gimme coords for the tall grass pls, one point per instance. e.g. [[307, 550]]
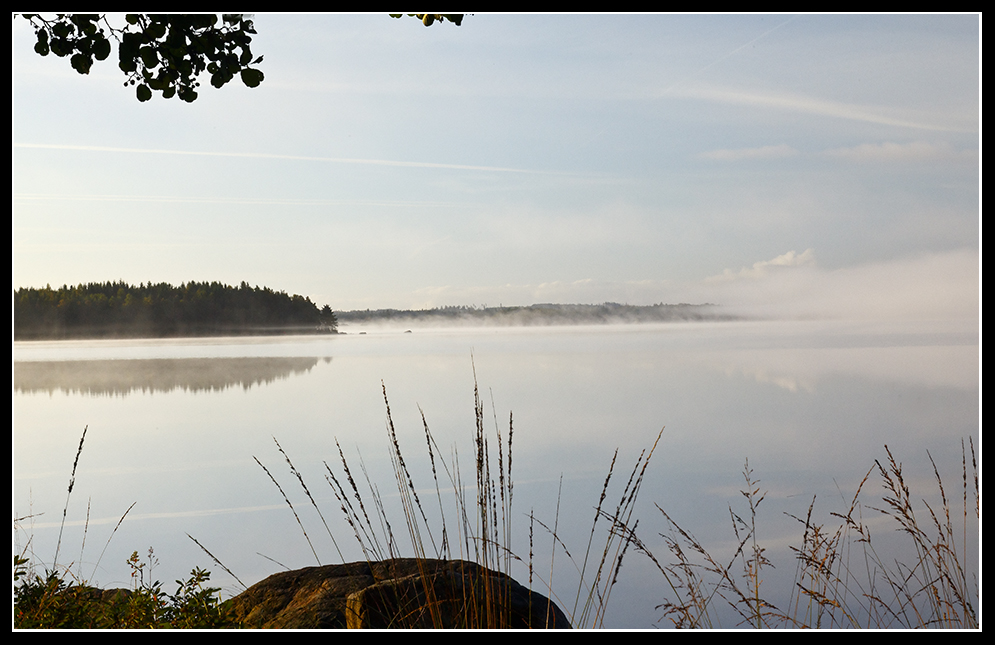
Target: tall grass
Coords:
[[475, 523], [840, 580]]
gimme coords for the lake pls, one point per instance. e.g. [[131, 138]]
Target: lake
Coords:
[[173, 426]]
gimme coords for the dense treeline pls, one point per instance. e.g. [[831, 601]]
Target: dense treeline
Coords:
[[115, 309]]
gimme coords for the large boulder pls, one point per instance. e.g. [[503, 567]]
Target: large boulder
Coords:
[[400, 593]]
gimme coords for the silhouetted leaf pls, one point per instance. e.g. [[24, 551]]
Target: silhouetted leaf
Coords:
[[252, 77], [81, 63], [164, 52], [101, 48]]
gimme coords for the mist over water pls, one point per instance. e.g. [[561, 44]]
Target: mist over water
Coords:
[[174, 427]]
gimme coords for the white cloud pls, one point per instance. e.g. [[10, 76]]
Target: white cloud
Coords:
[[932, 286], [762, 268]]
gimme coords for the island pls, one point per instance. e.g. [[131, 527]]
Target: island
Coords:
[[120, 310]]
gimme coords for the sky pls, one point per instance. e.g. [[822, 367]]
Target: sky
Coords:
[[798, 165]]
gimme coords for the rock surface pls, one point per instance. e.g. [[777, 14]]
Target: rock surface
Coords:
[[400, 593]]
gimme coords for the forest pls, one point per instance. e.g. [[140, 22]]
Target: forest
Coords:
[[117, 309]]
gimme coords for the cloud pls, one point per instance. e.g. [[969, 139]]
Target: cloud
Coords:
[[927, 287], [765, 152], [791, 286], [937, 286], [763, 268], [916, 151]]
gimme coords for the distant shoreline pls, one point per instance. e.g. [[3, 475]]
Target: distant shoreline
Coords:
[[546, 314], [204, 310]]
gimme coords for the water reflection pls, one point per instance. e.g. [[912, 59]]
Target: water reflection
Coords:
[[122, 377], [811, 405]]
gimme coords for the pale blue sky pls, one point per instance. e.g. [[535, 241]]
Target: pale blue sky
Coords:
[[806, 163]]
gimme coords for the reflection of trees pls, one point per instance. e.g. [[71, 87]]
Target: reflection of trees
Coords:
[[122, 377]]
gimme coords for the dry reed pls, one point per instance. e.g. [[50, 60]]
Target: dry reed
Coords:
[[840, 581], [483, 527]]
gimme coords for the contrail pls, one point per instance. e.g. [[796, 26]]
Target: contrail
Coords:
[[670, 90], [794, 103], [740, 48], [166, 199], [809, 105], [261, 155]]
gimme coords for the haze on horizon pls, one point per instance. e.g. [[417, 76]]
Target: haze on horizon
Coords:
[[810, 165]]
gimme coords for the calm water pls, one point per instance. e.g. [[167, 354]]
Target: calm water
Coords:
[[174, 426]]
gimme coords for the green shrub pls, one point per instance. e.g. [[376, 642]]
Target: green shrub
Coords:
[[50, 602]]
